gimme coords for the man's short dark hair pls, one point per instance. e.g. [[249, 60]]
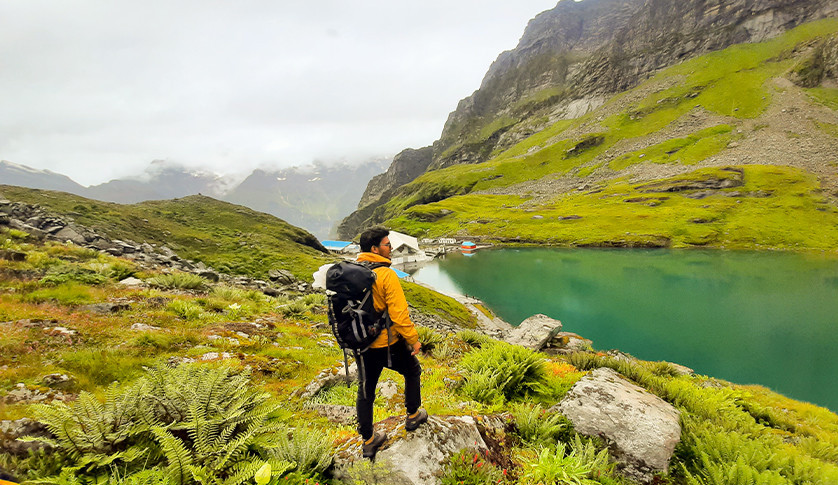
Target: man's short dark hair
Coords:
[[372, 237]]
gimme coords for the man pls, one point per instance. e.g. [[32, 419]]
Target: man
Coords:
[[388, 296]]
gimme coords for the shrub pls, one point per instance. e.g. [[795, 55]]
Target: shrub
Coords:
[[309, 449], [429, 338], [503, 370], [474, 338], [315, 299], [583, 464], [185, 309], [119, 271], [469, 468], [294, 308], [201, 423], [535, 426], [175, 281], [67, 274]]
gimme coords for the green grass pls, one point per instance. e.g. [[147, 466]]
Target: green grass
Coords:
[[825, 96], [686, 151], [434, 303]]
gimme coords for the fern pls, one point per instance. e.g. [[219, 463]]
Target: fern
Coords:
[[200, 423], [535, 426], [513, 371]]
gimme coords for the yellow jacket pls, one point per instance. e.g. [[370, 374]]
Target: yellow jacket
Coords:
[[387, 294]]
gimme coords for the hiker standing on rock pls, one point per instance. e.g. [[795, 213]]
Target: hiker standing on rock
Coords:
[[388, 296]]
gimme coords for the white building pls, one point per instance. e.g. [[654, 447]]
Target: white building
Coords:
[[405, 249]]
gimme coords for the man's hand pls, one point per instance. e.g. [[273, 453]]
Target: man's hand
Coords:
[[416, 347]]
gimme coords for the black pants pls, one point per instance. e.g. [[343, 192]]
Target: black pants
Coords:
[[375, 360]]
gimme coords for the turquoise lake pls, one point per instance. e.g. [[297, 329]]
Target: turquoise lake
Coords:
[[768, 318]]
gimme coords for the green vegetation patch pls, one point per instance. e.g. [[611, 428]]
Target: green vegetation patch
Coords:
[[230, 238], [686, 151], [825, 96], [752, 207], [434, 303]]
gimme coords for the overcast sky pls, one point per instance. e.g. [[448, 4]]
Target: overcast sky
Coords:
[[98, 89]]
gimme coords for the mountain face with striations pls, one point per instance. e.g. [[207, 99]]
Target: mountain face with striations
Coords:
[[678, 86]]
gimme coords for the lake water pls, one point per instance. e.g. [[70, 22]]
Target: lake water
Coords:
[[768, 318]]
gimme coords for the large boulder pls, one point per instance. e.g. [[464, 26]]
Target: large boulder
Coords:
[[534, 332], [418, 457], [10, 431], [641, 429]]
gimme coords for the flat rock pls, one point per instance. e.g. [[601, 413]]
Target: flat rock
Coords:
[[417, 457], [641, 429], [534, 332], [131, 281], [328, 378], [337, 413], [107, 307], [143, 327]]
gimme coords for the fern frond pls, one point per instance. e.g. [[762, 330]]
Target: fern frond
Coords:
[[177, 456]]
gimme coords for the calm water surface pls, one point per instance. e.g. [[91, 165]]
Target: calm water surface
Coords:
[[748, 317]]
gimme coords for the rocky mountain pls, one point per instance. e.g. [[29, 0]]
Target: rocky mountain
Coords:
[[14, 174], [315, 197], [406, 166], [552, 115], [160, 181]]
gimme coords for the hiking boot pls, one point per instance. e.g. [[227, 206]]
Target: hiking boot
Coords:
[[413, 421], [371, 448]]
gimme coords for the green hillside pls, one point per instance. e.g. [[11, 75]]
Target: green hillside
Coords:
[[725, 109], [210, 387], [230, 238]]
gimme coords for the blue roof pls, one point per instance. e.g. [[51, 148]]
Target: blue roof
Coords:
[[335, 245], [399, 273]]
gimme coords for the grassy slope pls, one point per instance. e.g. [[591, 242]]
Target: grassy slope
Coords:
[[792, 438], [228, 237], [731, 83]]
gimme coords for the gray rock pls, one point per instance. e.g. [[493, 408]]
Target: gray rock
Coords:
[[640, 428], [328, 378], [60, 332], [69, 234], [9, 255], [131, 281], [534, 332], [388, 388], [142, 327], [10, 431], [58, 381], [417, 457], [210, 276], [337, 413], [567, 342], [281, 277], [105, 308], [22, 226]]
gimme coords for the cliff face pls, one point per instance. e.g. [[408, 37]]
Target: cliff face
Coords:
[[571, 59], [406, 166]]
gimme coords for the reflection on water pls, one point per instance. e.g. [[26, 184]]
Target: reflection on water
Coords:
[[749, 317]]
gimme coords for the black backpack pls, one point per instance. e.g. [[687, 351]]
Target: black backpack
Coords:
[[352, 315]]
